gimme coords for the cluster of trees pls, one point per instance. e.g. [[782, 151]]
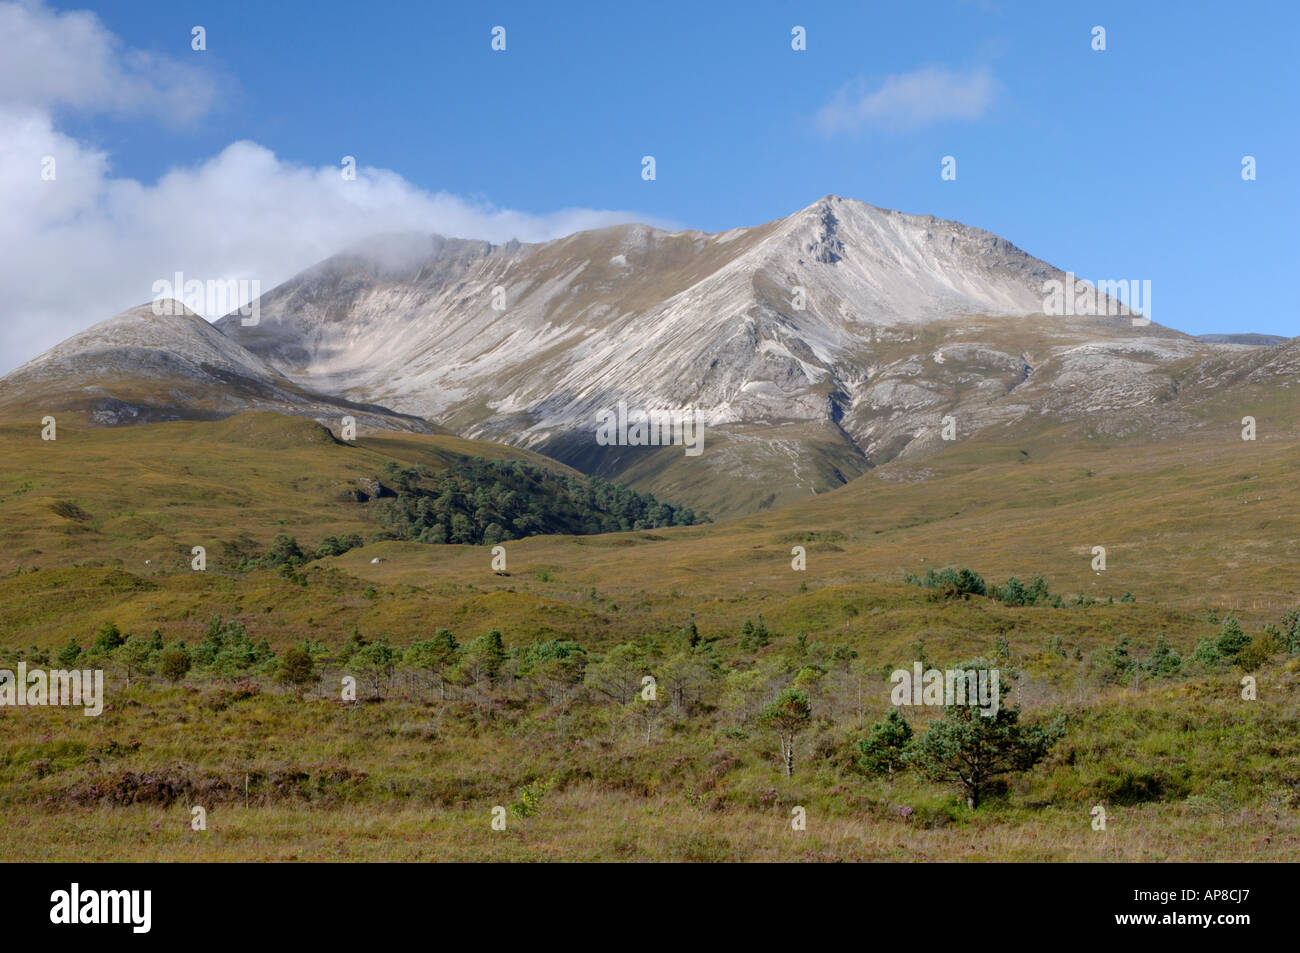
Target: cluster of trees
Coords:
[[754, 636], [953, 583], [1121, 663], [1234, 646], [135, 654], [964, 747], [671, 677], [227, 651], [483, 668], [677, 676], [950, 581], [489, 501], [286, 555], [482, 501], [971, 750]]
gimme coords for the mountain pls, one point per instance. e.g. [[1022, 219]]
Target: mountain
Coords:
[[811, 350], [142, 367], [815, 347]]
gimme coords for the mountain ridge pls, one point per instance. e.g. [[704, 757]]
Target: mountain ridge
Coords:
[[815, 347], [161, 361], [808, 341]]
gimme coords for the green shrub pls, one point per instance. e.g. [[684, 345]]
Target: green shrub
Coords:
[[1259, 651], [108, 638], [1116, 663], [1291, 631], [1206, 654], [884, 751], [1219, 798], [1231, 639], [69, 654], [1164, 661], [530, 798], [337, 545], [296, 668], [174, 664]]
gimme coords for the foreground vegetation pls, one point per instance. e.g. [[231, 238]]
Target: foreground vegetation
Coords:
[[288, 763], [523, 687]]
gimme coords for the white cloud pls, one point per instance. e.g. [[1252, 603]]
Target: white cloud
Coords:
[[54, 59], [87, 245], [907, 101]]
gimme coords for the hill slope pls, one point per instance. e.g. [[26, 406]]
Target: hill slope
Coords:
[[142, 367]]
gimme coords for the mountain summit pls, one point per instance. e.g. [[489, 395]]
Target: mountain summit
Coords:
[[809, 349], [814, 346]]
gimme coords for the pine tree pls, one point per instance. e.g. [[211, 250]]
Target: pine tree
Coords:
[[789, 715], [1231, 638], [884, 751], [969, 749], [69, 654]]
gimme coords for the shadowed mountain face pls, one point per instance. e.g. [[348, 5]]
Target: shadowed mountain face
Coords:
[[142, 367]]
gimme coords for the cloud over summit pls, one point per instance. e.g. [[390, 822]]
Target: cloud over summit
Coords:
[[88, 244]]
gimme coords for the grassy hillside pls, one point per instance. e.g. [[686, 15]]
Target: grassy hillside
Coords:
[[1182, 764], [120, 497]]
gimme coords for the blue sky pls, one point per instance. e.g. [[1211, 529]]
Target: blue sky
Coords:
[[1117, 164]]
